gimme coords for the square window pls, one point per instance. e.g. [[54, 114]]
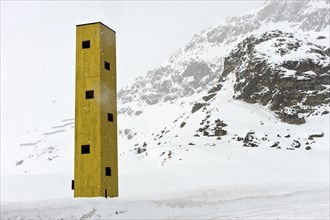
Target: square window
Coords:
[[110, 117], [86, 44], [108, 171], [85, 149], [90, 94], [107, 65]]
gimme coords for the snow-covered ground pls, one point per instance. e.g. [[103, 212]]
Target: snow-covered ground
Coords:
[[187, 176], [218, 203]]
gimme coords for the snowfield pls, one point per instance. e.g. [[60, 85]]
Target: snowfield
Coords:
[[305, 204], [193, 177]]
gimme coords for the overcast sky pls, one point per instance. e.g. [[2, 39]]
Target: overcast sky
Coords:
[[38, 49]]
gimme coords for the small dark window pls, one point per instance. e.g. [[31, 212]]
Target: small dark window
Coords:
[[86, 44], [85, 149], [72, 184], [90, 94], [110, 117], [106, 65], [108, 171]]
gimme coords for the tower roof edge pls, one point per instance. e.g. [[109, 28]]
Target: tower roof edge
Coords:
[[96, 23]]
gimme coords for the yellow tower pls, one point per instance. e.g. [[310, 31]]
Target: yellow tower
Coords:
[[96, 160]]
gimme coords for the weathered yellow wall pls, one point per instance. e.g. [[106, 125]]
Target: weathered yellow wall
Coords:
[[109, 105], [91, 115]]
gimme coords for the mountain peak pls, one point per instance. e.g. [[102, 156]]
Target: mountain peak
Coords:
[[309, 15]]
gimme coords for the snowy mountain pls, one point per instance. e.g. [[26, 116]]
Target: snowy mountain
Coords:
[[243, 107], [200, 63]]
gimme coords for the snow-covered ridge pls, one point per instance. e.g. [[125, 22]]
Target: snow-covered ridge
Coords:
[[310, 15]]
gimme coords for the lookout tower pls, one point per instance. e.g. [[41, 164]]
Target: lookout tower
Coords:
[[95, 160]]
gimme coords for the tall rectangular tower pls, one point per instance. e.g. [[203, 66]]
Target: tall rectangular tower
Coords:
[[96, 160]]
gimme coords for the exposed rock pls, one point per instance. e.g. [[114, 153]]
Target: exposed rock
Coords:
[[197, 70], [208, 97], [239, 138], [325, 112], [170, 82], [206, 117], [197, 106], [126, 110], [220, 123], [215, 88], [311, 137], [140, 150], [220, 132], [182, 124], [291, 119], [138, 113], [250, 140], [295, 144], [212, 129], [19, 162], [249, 136], [206, 133], [285, 86], [275, 144], [128, 133], [320, 37], [250, 144]]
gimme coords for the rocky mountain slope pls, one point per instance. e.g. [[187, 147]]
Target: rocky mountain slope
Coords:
[[283, 71], [198, 67], [288, 73], [263, 83], [279, 54]]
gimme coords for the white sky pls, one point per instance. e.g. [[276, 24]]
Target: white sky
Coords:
[[38, 54]]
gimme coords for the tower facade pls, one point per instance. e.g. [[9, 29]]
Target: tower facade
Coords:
[[96, 159]]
